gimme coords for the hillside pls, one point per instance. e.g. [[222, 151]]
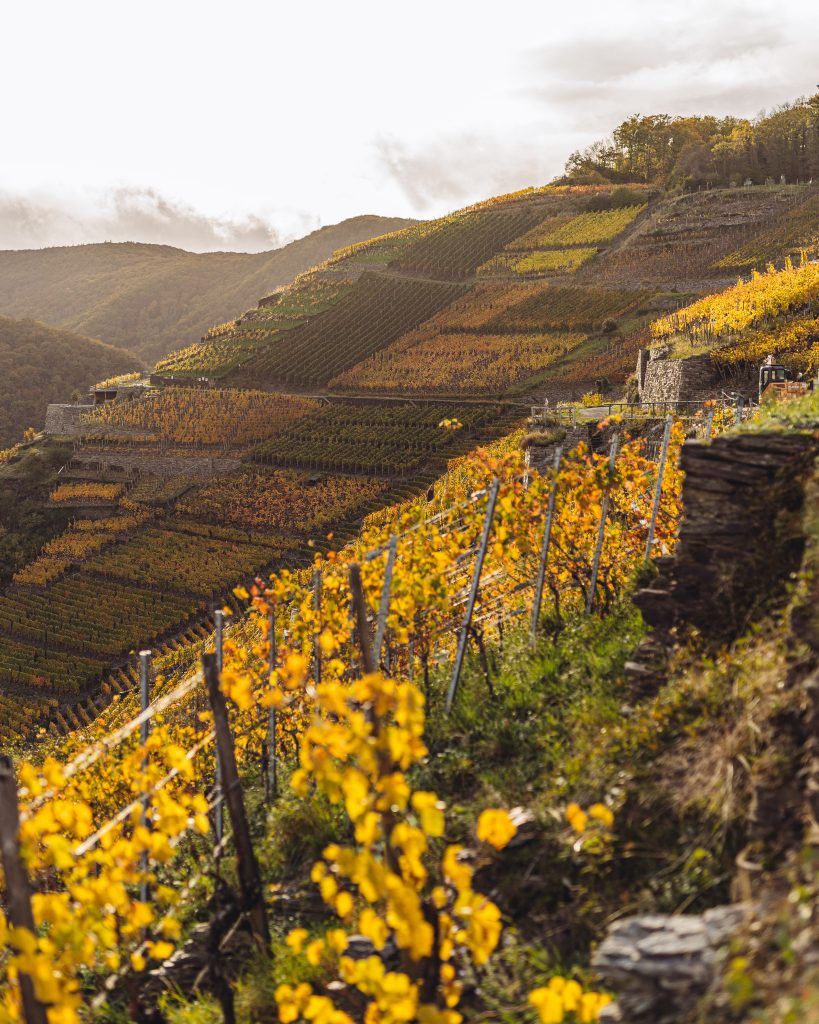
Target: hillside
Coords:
[[40, 364], [545, 291], [360, 381], [152, 298], [598, 699]]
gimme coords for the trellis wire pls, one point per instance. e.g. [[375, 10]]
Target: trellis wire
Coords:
[[90, 755], [488, 609]]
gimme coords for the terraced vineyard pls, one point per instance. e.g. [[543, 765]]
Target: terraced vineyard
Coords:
[[201, 416], [40, 668], [384, 440], [26, 718], [556, 306], [459, 362], [259, 499], [690, 242], [546, 290], [459, 246], [174, 561], [493, 344], [796, 229], [373, 313], [561, 244], [91, 616]]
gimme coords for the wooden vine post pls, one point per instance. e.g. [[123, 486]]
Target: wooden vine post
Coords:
[[316, 645], [247, 865], [272, 753], [18, 889], [219, 809], [368, 662]]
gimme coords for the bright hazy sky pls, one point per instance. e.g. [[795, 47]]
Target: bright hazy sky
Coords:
[[242, 123]]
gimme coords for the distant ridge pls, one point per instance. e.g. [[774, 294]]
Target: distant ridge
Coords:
[[151, 299], [41, 364]]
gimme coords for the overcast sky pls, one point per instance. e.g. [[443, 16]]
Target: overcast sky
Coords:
[[242, 124]]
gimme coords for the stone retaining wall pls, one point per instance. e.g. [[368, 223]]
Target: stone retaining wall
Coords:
[[65, 419], [661, 379], [163, 465], [741, 538]]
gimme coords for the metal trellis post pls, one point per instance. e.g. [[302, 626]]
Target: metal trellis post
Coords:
[[544, 550], [463, 638], [384, 606], [709, 423], [658, 486], [604, 511]]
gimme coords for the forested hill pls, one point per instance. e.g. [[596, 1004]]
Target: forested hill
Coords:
[[151, 299], [39, 364], [701, 151]]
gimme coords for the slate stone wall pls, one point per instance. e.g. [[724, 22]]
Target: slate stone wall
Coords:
[[65, 419]]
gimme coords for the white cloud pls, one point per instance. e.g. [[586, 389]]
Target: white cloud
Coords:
[[124, 215], [209, 126]]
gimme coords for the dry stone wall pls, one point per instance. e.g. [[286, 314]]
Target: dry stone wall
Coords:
[[741, 535], [65, 419], [661, 379], [162, 465]]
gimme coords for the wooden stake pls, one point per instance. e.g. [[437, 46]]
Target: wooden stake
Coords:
[[248, 868], [360, 610], [18, 889], [272, 759], [317, 608]]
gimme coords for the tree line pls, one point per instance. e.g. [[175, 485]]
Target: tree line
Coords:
[[696, 152]]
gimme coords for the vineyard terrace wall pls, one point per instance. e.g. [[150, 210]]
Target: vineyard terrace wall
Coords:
[[661, 379], [742, 533], [65, 419]]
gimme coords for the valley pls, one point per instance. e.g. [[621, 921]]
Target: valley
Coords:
[[345, 393], [429, 635]]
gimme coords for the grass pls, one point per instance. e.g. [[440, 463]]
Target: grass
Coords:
[[799, 415], [680, 770]]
